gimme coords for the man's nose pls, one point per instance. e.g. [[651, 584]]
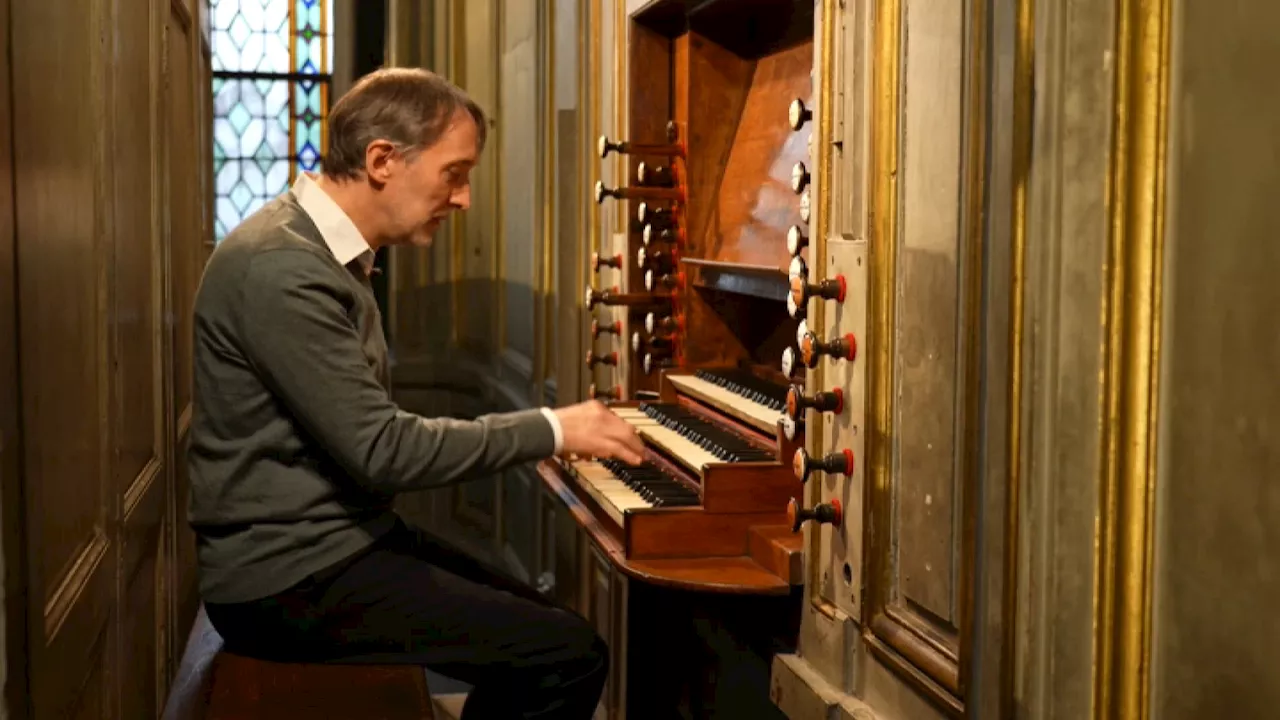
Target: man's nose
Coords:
[[462, 197]]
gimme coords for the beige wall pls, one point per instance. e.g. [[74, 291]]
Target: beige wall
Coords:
[[1216, 642]]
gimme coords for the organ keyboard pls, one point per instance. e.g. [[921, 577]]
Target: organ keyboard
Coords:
[[714, 486], [738, 393]]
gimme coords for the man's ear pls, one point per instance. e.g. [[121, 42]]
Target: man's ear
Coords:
[[379, 157]]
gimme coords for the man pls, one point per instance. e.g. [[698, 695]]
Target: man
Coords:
[[297, 451]]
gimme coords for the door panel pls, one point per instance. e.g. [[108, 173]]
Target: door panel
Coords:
[[63, 348], [87, 448]]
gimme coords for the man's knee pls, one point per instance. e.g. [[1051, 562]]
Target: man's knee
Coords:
[[588, 652]]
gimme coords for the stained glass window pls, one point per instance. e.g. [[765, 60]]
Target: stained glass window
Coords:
[[272, 61]]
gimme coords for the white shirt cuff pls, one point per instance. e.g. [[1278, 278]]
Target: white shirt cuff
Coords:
[[556, 430]]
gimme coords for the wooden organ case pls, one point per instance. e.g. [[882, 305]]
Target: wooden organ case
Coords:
[[794, 320], [699, 340]]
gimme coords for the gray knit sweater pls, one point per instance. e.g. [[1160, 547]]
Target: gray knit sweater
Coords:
[[296, 449]]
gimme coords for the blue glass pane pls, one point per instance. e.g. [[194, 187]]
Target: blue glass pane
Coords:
[[311, 34]]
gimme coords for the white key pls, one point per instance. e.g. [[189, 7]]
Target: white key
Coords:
[[615, 496]]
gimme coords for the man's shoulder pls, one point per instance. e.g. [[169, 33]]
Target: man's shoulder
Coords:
[[271, 246], [279, 224]]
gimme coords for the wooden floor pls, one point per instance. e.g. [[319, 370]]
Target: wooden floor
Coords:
[[189, 695]]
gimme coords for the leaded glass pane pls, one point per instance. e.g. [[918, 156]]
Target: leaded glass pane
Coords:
[[250, 35], [268, 119]]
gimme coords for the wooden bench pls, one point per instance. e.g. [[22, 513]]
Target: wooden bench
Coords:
[[242, 688]]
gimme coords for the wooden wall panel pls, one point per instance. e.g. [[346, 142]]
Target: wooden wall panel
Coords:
[[63, 233], [137, 384], [929, 394], [13, 594], [93, 304]]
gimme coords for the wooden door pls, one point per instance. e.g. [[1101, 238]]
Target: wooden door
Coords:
[[99, 256]]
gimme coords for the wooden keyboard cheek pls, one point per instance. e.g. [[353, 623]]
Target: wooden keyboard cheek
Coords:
[[768, 566], [748, 487], [689, 532]]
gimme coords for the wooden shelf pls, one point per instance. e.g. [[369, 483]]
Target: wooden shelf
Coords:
[[762, 281]]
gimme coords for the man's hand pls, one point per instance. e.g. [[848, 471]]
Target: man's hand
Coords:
[[590, 429]]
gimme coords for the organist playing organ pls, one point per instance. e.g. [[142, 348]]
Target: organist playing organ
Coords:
[[297, 451]]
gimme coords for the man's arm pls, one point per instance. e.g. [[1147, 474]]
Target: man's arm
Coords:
[[298, 337]]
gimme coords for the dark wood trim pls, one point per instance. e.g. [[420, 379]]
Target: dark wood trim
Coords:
[[16, 690], [183, 13]]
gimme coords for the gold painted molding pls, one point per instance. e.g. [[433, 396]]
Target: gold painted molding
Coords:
[[1130, 382], [1023, 115], [621, 108], [550, 157], [582, 216], [883, 230], [457, 48], [595, 216]]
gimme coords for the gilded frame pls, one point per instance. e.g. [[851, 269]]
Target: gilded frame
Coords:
[[1124, 551], [937, 666]]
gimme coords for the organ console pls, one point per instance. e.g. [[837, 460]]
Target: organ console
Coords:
[[712, 303]]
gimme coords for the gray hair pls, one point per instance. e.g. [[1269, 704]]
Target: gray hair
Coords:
[[408, 107]]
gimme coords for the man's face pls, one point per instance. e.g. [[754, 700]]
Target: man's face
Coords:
[[421, 190]]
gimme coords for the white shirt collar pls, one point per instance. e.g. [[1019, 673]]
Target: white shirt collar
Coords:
[[339, 233]]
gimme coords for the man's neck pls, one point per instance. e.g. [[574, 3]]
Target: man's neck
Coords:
[[352, 197]]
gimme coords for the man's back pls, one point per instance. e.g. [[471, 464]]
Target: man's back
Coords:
[[269, 504]]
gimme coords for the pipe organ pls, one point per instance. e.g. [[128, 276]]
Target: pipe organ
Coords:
[[742, 321]]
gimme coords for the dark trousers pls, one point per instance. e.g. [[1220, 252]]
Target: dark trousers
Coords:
[[412, 599]]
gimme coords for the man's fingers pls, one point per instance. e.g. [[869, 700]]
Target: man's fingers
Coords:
[[623, 451]]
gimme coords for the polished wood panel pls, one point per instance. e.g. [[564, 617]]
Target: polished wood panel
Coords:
[[754, 204], [60, 141], [12, 507]]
